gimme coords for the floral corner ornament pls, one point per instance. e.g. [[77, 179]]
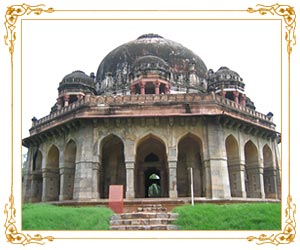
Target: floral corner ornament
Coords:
[[289, 232], [11, 231], [289, 15], [11, 16]]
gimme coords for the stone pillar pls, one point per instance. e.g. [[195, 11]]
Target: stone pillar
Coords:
[[157, 85], [66, 99], [45, 185], [261, 190], [129, 179], [206, 179], [270, 183], [63, 173], [80, 97], [255, 182], [217, 161], [172, 179], [243, 100], [223, 93], [96, 173], [277, 168], [237, 180], [142, 87], [172, 162], [236, 96], [85, 163], [132, 88], [50, 185], [83, 184], [167, 88], [66, 183], [59, 103], [36, 187], [26, 190]]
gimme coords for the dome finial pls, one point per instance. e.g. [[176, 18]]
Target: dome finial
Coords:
[[149, 35]]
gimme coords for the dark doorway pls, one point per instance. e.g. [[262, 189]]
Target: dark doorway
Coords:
[[152, 183], [151, 159]]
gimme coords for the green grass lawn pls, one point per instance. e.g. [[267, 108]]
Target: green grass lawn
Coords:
[[242, 216], [50, 217]]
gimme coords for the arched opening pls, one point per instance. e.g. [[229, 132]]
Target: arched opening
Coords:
[[152, 183], [190, 156], [252, 179], [149, 88], [37, 178], [162, 88], [269, 173], [113, 165], [137, 89], [68, 172], [52, 179], [151, 173], [233, 163]]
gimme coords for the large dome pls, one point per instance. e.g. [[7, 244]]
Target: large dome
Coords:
[[117, 68]]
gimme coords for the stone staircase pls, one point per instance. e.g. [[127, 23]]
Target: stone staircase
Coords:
[[147, 217]]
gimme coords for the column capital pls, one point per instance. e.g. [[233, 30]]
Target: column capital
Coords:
[[172, 163], [142, 83], [129, 164]]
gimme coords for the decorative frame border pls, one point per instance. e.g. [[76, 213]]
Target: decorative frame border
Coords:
[[14, 236]]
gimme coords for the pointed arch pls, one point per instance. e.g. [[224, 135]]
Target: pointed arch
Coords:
[[252, 180], [269, 173], [190, 155], [233, 164], [150, 136], [68, 170], [51, 177], [151, 158], [53, 158], [268, 156], [113, 164], [37, 178]]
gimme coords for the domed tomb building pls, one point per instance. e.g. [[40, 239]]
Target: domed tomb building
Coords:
[[152, 112]]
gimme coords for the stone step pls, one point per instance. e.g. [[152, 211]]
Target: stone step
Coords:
[[144, 227], [151, 208], [147, 217], [154, 221], [143, 215]]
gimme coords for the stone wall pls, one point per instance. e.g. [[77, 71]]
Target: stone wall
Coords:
[[221, 169]]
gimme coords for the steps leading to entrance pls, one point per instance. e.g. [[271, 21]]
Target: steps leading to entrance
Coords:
[[147, 217]]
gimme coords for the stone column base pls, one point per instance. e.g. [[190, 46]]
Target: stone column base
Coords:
[[173, 194], [130, 195]]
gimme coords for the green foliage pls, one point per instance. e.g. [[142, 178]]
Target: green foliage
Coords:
[[50, 217], [241, 216]]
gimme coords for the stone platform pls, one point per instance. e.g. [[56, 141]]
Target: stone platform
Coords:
[[132, 205]]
